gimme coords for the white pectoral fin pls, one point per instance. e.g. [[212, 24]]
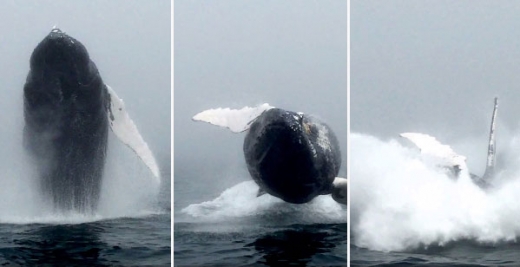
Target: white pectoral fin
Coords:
[[237, 120], [490, 163], [125, 129], [340, 190], [444, 154]]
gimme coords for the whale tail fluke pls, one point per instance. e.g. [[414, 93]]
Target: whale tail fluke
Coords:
[[491, 155], [236, 120], [126, 131]]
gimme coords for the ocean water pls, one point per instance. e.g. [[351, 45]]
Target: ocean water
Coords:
[[405, 211], [457, 253], [132, 226], [236, 228]]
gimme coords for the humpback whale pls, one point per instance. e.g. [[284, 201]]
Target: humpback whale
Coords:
[[446, 158], [290, 155], [68, 110]]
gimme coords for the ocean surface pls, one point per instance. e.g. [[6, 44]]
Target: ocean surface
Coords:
[[406, 211], [459, 253], [132, 226], [236, 228]]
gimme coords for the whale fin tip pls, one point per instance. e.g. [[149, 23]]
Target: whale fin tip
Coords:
[[491, 155]]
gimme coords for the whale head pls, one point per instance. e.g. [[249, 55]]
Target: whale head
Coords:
[[62, 76], [62, 58]]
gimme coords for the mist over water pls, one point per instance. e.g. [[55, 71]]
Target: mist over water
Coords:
[[402, 203]]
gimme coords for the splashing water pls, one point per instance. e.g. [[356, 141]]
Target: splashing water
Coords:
[[399, 202], [240, 201]]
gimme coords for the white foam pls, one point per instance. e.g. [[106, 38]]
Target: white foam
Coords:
[[400, 202], [241, 201]]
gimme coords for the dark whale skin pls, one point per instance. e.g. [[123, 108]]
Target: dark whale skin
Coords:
[[284, 158], [66, 124]]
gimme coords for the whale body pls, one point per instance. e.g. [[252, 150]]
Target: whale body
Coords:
[[68, 110], [290, 155]]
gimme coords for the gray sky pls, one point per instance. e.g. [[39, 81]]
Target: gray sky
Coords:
[[290, 54], [130, 42], [434, 67]]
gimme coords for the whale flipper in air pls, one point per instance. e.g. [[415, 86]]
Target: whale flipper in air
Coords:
[[490, 164], [126, 130], [449, 159], [443, 155], [236, 120]]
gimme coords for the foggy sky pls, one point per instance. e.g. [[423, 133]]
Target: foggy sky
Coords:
[[290, 54], [130, 42], [435, 67]]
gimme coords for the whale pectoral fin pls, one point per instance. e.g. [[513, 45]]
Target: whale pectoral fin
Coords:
[[236, 120], [443, 154], [490, 164], [125, 129], [340, 190], [261, 192]]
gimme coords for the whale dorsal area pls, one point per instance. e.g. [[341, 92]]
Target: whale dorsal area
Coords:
[[126, 130], [236, 120], [442, 154]]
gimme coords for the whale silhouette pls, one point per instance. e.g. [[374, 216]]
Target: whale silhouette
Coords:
[[290, 155], [68, 111]]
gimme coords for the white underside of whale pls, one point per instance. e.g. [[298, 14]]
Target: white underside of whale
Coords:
[[236, 120], [442, 155], [126, 131], [340, 191]]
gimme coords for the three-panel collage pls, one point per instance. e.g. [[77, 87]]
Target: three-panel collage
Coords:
[[260, 133]]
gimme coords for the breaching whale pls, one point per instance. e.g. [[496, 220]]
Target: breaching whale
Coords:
[[290, 155], [446, 158], [67, 111]]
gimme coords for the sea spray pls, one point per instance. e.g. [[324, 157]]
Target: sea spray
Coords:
[[128, 187], [398, 202], [241, 201]]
